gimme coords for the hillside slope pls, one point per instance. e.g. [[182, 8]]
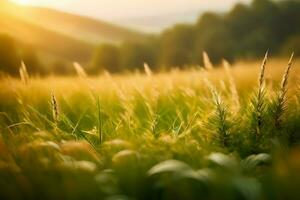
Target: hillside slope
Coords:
[[58, 34], [80, 27], [45, 41]]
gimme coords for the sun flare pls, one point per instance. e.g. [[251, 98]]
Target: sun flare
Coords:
[[23, 2]]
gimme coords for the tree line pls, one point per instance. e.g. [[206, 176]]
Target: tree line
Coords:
[[245, 32]]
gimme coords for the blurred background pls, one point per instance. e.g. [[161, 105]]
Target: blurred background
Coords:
[[49, 35]]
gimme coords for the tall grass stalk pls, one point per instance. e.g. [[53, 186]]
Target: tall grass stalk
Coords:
[[280, 102], [55, 111], [232, 85], [259, 102], [79, 70], [206, 61], [100, 132], [24, 73], [220, 119], [147, 69], [221, 116]]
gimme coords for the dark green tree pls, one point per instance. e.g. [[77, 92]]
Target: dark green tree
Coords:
[[134, 55], [32, 61], [107, 57], [177, 46], [214, 37], [9, 56]]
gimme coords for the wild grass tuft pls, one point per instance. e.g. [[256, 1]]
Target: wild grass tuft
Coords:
[[281, 97], [220, 119], [222, 122], [258, 104]]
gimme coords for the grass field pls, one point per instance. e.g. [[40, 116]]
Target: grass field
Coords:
[[224, 133]]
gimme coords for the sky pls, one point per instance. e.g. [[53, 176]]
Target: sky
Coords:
[[137, 11]]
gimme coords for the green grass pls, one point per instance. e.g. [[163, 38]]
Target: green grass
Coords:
[[217, 134]]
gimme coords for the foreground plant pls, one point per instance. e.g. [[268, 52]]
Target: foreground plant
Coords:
[[280, 104], [258, 105], [152, 136], [220, 119]]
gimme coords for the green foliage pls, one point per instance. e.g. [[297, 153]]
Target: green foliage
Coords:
[[33, 63], [291, 45], [134, 55], [258, 109], [60, 67], [106, 57], [221, 120], [9, 56], [279, 105], [216, 41], [177, 46]]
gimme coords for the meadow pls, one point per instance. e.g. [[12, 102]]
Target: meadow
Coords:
[[226, 132]]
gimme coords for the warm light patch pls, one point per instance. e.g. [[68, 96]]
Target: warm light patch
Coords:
[[23, 2]]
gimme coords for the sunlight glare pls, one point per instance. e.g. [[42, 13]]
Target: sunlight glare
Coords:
[[23, 2]]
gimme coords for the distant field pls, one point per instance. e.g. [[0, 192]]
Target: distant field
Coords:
[[211, 134]]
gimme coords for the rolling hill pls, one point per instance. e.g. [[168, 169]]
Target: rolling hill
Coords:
[[158, 23], [58, 34]]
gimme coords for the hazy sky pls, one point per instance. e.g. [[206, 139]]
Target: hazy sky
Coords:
[[116, 9]]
